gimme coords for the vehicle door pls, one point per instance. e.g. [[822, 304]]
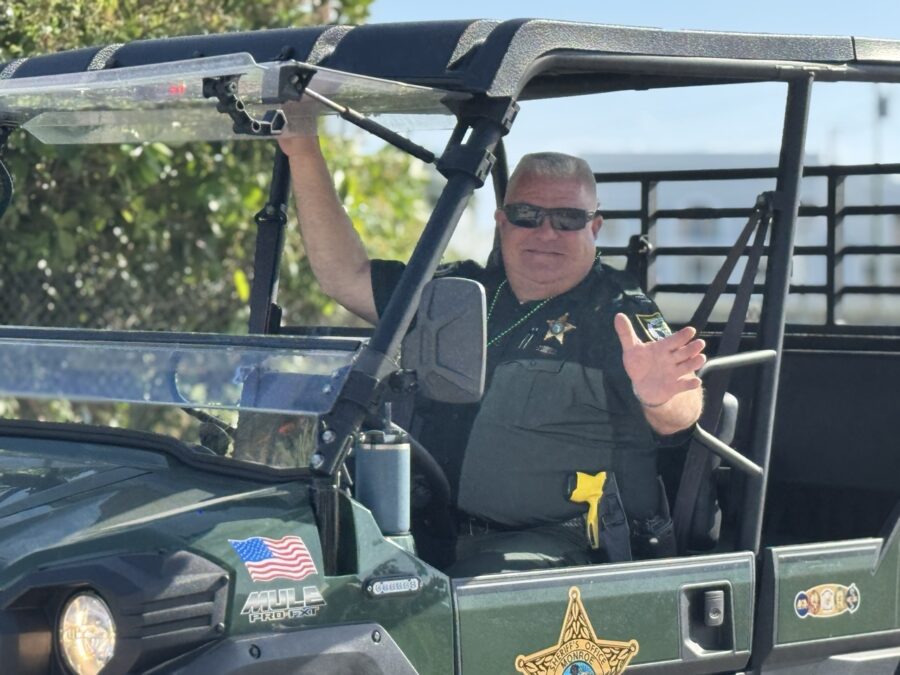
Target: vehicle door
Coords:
[[676, 615], [829, 602]]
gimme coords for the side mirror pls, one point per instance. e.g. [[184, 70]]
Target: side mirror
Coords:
[[446, 347]]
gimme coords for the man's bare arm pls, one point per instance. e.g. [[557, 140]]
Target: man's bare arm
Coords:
[[678, 413], [663, 376], [335, 251]]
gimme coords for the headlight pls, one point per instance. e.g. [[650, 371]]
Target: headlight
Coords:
[[86, 634]]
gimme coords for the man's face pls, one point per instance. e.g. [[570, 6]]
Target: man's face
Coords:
[[542, 257]]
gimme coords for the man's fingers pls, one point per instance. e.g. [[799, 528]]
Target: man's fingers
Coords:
[[681, 338], [689, 351], [692, 365], [625, 331]]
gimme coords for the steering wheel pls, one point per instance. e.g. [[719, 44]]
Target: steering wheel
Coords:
[[425, 465], [433, 513]]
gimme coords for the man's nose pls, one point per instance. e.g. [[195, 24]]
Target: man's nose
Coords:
[[546, 231]]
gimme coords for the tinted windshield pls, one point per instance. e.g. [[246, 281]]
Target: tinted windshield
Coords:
[[261, 394]]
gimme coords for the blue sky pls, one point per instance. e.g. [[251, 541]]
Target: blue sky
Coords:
[[877, 18], [739, 118]]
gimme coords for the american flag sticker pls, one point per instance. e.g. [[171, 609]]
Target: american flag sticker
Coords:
[[267, 559]]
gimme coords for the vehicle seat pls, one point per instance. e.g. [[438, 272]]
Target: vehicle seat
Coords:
[[706, 527]]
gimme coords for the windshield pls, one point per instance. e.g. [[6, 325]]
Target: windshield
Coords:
[[257, 400], [261, 397], [166, 102]]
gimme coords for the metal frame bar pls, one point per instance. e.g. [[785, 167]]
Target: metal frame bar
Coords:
[[772, 320], [430, 248], [648, 230], [265, 316]]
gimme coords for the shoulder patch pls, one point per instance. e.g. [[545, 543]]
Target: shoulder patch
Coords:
[[654, 325]]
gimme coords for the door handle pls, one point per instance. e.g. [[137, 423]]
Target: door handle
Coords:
[[707, 620]]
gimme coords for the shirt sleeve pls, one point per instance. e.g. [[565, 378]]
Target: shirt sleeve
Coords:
[[649, 324], [647, 319], [385, 276]]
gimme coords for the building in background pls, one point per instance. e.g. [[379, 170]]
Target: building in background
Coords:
[[859, 270]]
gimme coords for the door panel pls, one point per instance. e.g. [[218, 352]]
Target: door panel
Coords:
[[819, 600], [647, 616]]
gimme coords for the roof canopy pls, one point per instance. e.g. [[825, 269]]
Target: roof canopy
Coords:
[[522, 58]]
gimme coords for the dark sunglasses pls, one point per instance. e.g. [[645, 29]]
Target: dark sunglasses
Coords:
[[564, 218]]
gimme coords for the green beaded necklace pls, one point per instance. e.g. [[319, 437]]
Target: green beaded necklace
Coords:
[[520, 321]]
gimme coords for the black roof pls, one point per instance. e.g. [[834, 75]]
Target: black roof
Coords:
[[523, 57]]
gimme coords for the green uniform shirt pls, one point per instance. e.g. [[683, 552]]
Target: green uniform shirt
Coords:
[[557, 400]]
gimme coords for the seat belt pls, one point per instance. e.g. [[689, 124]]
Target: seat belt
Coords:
[[700, 462]]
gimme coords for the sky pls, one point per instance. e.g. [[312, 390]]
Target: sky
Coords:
[[740, 118], [843, 126]]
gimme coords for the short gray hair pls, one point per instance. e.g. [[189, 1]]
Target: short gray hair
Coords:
[[553, 165]]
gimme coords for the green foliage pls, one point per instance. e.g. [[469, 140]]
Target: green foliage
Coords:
[[162, 237], [32, 27]]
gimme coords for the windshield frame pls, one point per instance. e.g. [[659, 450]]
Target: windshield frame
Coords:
[[146, 441]]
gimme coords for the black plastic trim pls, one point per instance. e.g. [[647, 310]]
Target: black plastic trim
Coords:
[[154, 337], [361, 649], [414, 51], [163, 604], [142, 440], [817, 651], [264, 45]]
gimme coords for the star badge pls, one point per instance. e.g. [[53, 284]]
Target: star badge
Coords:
[[557, 328], [578, 649]]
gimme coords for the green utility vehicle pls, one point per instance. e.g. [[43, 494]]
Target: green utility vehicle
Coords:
[[281, 542]]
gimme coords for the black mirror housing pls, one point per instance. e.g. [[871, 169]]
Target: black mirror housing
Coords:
[[446, 347]]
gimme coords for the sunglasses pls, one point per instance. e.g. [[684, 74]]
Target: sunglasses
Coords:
[[565, 219]]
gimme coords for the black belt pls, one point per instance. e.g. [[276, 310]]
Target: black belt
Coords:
[[469, 525], [652, 538]]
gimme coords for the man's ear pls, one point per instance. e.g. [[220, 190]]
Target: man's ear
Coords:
[[596, 224]]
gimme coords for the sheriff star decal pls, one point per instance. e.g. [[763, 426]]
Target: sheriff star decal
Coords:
[[557, 328], [578, 651]]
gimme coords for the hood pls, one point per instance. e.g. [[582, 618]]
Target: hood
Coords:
[[59, 493]]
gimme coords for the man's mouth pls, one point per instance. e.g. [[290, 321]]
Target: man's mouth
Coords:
[[532, 251]]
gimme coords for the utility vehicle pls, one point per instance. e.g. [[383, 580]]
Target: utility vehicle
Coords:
[[282, 543]]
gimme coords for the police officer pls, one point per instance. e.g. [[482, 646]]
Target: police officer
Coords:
[[585, 379]]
